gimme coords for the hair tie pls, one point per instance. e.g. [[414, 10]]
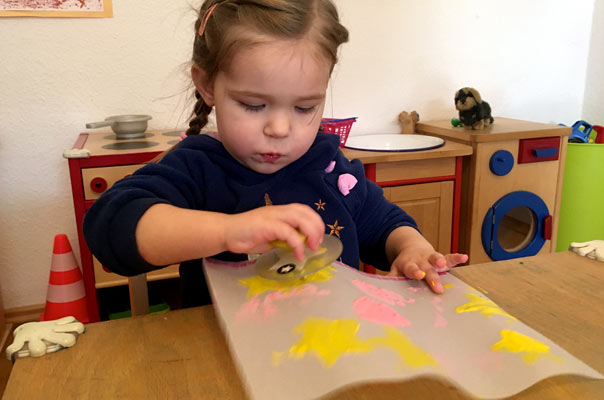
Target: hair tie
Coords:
[[206, 17]]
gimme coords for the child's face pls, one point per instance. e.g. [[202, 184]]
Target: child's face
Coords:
[[270, 102]]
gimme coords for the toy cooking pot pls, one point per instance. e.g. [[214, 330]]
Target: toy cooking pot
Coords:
[[124, 126]]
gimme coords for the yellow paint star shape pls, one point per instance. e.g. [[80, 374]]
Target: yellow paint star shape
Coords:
[[320, 205], [335, 229], [328, 340]]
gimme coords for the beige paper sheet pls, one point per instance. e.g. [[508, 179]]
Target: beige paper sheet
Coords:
[[303, 339]]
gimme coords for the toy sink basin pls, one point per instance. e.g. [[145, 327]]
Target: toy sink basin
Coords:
[[394, 142]]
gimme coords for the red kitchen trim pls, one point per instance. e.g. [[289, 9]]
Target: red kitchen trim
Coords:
[[81, 141], [118, 160], [370, 171], [416, 180], [456, 206], [80, 208]]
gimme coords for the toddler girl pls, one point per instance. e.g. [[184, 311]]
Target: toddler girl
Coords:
[[267, 173]]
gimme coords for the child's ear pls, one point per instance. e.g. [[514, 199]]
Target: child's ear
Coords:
[[204, 86]]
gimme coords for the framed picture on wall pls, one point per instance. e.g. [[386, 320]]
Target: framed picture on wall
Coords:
[[56, 8]]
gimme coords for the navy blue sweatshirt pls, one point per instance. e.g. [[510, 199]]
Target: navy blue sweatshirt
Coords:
[[201, 175]]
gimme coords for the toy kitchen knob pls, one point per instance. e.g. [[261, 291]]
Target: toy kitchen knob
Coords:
[[98, 185], [501, 162]]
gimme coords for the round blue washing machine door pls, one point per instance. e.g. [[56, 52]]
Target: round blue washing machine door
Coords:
[[497, 217]]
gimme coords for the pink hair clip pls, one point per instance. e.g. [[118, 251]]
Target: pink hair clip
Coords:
[[206, 17]]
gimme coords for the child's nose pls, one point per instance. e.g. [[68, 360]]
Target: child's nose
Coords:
[[277, 126]]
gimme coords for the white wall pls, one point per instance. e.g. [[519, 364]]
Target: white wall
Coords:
[[593, 109], [528, 59]]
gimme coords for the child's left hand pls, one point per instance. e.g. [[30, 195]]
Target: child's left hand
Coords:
[[416, 259]]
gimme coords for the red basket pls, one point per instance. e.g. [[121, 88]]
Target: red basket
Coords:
[[339, 127]]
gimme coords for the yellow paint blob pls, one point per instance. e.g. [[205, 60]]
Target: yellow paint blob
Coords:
[[413, 355], [447, 286], [330, 339], [484, 306], [515, 342], [284, 245], [257, 285]]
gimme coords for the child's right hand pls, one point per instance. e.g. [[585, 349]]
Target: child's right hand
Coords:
[[252, 231]]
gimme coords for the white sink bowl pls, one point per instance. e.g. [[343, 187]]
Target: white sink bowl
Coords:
[[393, 142]]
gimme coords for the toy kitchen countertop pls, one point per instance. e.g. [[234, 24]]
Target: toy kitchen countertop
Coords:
[[449, 149], [502, 129], [94, 144]]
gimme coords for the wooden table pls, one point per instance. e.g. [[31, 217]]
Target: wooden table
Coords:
[[182, 354]]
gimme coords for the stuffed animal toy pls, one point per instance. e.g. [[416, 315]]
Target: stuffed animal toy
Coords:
[[474, 113], [408, 121]]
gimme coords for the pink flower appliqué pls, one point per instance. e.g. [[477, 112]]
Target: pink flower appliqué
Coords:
[[346, 182]]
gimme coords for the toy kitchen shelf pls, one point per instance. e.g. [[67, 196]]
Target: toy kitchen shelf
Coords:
[[96, 161]]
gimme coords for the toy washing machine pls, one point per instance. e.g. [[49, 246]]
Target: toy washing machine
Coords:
[[511, 187]]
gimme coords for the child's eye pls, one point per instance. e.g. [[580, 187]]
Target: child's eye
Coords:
[[252, 107], [305, 110]]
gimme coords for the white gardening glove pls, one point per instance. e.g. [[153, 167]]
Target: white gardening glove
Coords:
[[593, 249], [35, 333]]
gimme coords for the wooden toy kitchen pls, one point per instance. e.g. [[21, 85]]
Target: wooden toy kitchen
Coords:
[[427, 183], [511, 187]]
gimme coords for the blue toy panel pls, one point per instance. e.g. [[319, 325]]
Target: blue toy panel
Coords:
[[493, 218], [501, 162]]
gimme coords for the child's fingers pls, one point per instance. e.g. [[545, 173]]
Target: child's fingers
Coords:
[[456, 259], [439, 262], [307, 221], [313, 228], [414, 271], [409, 269], [433, 281], [293, 238]]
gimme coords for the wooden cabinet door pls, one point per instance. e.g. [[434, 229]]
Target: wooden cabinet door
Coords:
[[431, 205]]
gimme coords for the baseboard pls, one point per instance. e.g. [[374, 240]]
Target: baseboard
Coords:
[[19, 315]]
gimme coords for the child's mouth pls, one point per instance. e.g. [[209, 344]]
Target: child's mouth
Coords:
[[270, 157]]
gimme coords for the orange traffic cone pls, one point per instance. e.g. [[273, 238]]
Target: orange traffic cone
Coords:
[[66, 295]]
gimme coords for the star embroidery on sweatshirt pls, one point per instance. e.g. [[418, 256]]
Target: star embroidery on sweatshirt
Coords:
[[267, 200], [320, 205], [335, 229]]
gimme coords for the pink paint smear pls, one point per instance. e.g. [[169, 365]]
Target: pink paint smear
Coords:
[[384, 295], [440, 321], [379, 313], [267, 308]]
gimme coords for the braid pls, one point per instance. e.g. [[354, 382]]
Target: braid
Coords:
[[201, 111]]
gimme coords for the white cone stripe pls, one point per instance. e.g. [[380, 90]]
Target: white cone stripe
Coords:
[[63, 262], [65, 293]]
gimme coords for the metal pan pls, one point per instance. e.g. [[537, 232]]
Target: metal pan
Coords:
[[129, 126]]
